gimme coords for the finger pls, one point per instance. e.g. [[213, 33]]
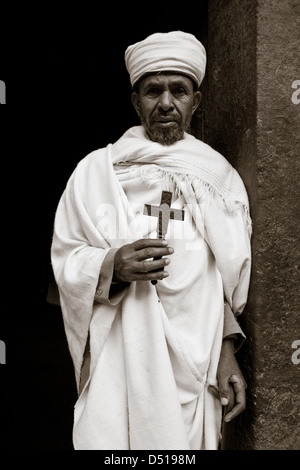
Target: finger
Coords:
[[236, 410], [150, 265], [149, 242], [237, 382], [152, 252], [150, 276], [230, 400], [240, 398], [224, 390], [214, 391]]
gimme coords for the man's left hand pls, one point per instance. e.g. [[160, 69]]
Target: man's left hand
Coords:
[[232, 385]]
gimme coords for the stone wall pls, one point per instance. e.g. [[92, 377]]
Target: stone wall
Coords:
[[250, 117], [277, 245]]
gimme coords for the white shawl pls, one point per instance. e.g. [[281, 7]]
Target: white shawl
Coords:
[[141, 373]]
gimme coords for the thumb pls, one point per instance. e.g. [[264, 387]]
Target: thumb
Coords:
[[224, 393]]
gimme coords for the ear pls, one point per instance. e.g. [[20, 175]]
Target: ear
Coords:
[[196, 100], [135, 101]]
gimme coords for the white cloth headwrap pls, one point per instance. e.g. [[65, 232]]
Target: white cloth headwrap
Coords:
[[175, 51]]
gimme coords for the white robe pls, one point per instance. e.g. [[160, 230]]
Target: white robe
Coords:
[[154, 351]]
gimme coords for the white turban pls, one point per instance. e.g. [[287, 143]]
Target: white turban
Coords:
[[161, 52]]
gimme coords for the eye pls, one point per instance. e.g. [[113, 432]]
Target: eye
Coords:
[[153, 91], [179, 91]]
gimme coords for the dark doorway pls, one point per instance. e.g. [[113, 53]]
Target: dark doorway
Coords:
[[73, 70]]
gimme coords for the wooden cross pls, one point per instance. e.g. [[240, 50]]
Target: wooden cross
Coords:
[[164, 213]]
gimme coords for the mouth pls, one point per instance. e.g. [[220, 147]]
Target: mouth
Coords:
[[165, 121]]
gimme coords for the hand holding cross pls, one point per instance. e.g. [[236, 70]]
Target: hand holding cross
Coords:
[[164, 213], [143, 259]]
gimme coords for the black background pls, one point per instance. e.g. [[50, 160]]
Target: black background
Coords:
[[68, 93]]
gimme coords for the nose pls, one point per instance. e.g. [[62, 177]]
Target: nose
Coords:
[[166, 101]]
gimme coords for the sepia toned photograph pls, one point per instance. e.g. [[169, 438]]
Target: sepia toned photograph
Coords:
[[151, 231]]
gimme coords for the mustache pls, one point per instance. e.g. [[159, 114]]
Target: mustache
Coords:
[[156, 116]]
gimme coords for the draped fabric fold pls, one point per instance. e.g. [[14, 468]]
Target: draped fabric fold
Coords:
[[153, 353]]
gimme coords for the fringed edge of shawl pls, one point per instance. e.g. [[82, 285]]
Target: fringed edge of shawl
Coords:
[[202, 190]]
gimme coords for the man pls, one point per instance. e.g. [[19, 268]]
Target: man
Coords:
[[149, 292]]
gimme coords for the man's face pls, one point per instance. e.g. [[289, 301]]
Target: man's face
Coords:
[[165, 104]]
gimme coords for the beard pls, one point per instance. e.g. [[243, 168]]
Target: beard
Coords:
[[163, 135]]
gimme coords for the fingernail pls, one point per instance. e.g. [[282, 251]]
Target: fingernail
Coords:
[[165, 274], [164, 242], [167, 261], [171, 250], [227, 419], [224, 401]]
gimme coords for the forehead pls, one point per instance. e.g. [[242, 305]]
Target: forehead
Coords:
[[166, 78]]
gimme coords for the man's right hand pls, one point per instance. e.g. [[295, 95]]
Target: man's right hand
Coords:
[[136, 261]]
